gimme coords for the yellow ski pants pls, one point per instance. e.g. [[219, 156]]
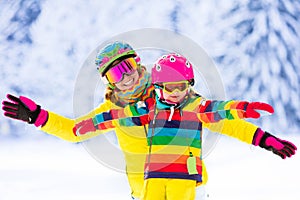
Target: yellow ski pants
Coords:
[[168, 189]]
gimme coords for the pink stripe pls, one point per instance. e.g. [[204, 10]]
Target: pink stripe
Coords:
[[271, 141], [257, 137], [28, 102], [42, 118]]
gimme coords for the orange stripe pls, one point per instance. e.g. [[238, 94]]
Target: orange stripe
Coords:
[[106, 125], [203, 117]]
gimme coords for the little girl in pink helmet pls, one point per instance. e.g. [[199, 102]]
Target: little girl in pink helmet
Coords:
[[175, 119]]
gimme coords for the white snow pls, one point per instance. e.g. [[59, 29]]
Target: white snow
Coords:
[[237, 171], [53, 169]]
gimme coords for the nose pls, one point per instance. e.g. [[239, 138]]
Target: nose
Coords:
[[176, 91], [125, 76]]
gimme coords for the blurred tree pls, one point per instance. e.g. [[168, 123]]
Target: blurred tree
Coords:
[[257, 50]]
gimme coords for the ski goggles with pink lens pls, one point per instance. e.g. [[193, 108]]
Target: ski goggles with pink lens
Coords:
[[116, 73]]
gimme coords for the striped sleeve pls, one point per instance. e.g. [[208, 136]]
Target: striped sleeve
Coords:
[[135, 121], [215, 105], [139, 109], [115, 114], [211, 111]]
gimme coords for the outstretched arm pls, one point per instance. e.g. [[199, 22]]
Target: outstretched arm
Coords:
[[91, 125], [24, 109], [252, 134], [213, 111], [131, 115]]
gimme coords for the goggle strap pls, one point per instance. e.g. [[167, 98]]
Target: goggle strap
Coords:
[[104, 80]]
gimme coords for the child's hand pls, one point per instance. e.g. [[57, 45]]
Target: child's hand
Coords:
[[253, 108], [24, 109], [279, 147], [84, 127]]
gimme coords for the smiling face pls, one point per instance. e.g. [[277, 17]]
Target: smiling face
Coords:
[[123, 74]]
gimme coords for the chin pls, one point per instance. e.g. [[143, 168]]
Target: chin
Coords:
[[174, 100], [130, 87]]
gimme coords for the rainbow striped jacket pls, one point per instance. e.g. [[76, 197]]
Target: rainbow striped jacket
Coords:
[[175, 135]]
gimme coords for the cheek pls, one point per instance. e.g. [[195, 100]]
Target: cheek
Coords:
[[136, 75], [119, 85], [165, 95], [184, 94]]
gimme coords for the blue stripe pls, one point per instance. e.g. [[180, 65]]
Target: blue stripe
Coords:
[[215, 105], [137, 121], [222, 104], [126, 122], [175, 132], [209, 107], [192, 125], [222, 114], [99, 118], [107, 116], [245, 106], [196, 177], [217, 117]]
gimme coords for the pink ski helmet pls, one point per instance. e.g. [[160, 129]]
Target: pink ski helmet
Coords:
[[172, 68]]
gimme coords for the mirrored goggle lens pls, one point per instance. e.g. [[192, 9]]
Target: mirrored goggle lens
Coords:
[[171, 87], [115, 74]]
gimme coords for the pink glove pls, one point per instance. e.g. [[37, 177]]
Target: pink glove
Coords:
[[84, 127], [269, 142], [24, 109]]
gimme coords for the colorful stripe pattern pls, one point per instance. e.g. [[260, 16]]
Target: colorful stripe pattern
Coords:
[[228, 109], [171, 142], [212, 111], [182, 133]]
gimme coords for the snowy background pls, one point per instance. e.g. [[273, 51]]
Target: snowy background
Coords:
[[43, 44]]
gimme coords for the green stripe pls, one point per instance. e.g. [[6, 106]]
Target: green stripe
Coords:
[[133, 111], [229, 115], [180, 141], [222, 105]]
